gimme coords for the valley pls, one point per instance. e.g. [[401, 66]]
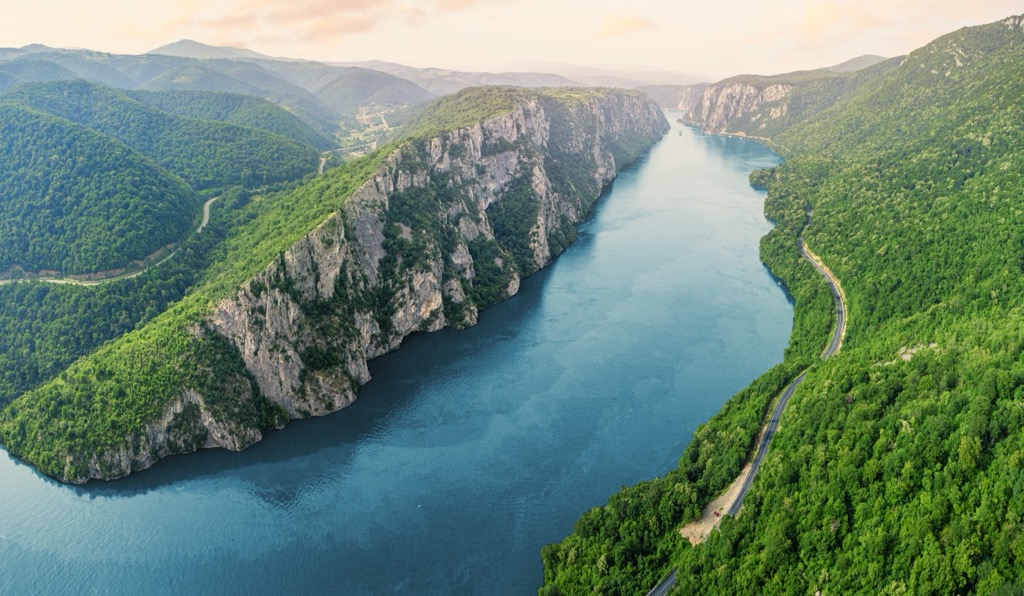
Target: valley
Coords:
[[201, 244]]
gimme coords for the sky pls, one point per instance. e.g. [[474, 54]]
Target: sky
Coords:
[[711, 39]]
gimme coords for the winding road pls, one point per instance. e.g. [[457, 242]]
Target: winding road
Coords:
[[832, 349], [106, 277]]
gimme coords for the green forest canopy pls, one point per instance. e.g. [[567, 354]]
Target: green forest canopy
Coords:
[[897, 467]]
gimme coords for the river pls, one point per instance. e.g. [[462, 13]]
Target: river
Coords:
[[470, 449]]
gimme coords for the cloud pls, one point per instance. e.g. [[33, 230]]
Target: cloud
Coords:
[[321, 21], [621, 25], [826, 22]]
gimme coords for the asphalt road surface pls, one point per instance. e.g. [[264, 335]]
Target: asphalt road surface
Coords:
[[837, 338]]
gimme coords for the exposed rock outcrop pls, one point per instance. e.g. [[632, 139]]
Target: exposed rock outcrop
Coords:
[[447, 226], [676, 97], [722, 104]]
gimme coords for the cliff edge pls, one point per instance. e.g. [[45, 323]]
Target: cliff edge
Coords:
[[446, 225]]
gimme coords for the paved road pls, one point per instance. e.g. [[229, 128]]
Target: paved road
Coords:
[[833, 284], [206, 213], [107, 277], [664, 585], [833, 347], [773, 424]]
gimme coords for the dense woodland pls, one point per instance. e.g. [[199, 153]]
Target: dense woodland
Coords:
[[326, 98], [93, 180], [233, 108], [897, 468], [77, 201], [205, 153]]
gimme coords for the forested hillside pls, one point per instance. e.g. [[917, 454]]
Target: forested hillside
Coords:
[[205, 153], [897, 467], [243, 110], [76, 201], [326, 98], [763, 106]]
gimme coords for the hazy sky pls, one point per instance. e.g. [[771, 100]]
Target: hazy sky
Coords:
[[712, 38]]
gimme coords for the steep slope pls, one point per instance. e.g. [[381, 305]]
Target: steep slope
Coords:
[[676, 97], [858, 63], [897, 465], [315, 282], [121, 72], [206, 154], [76, 201], [187, 48], [200, 77], [156, 72], [345, 89]]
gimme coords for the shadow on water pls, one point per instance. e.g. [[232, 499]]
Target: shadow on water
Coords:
[[397, 377]]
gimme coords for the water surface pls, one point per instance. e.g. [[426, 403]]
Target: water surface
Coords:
[[470, 450]]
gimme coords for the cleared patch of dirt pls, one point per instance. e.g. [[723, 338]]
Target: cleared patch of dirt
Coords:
[[698, 531]]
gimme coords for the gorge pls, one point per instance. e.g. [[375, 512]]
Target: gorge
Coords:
[[469, 449]]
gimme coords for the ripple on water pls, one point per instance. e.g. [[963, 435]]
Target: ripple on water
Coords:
[[469, 450]]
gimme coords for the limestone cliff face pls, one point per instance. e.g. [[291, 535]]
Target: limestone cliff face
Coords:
[[722, 104], [445, 227], [690, 96], [185, 427]]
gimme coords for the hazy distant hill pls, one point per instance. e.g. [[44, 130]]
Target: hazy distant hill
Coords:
[[675, 97], [27, 70], [631, 77], [441, 81], [339, 89], [187, 48], [334, 95], [858, 63], [346, 88]]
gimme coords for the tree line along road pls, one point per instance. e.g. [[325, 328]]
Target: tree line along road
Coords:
[[833, 347], [106, 277]]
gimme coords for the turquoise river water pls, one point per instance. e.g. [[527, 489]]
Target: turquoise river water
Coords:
[[469, 450]]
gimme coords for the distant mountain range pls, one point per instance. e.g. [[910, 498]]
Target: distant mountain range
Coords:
[[323, 96]]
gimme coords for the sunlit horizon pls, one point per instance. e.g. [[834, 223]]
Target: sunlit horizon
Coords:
[[708, 41]]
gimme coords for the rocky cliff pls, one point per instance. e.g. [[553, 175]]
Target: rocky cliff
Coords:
[[764, 106], [725, 103], [448, 224], [676, 97]]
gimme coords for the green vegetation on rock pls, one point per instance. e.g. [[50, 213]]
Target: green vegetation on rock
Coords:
[[178, 373]]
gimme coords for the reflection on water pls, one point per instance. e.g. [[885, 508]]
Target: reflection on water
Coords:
[[469, 450]]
